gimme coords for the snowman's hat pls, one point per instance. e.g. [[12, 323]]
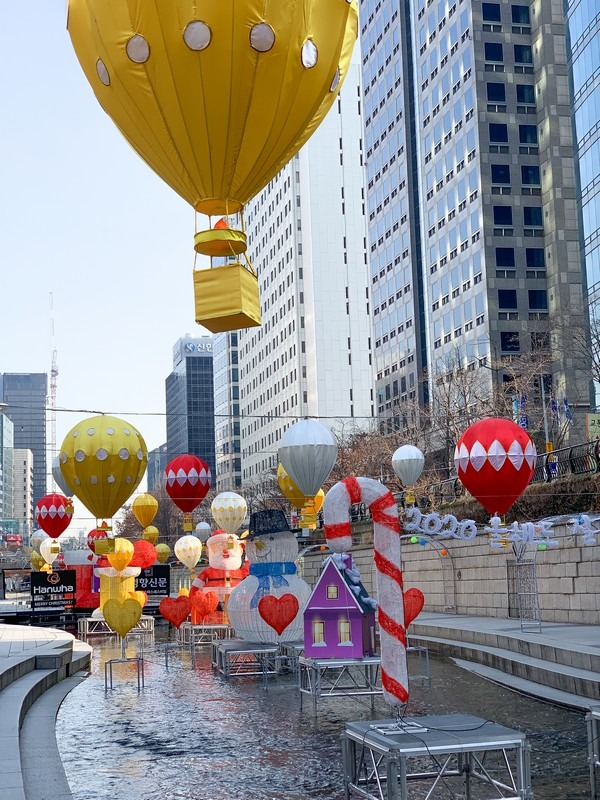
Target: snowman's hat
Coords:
[[264, 522]]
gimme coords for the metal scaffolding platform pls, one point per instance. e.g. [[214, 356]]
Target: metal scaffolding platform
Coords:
[[335, 677], [97, 626], [441, 753], [203, 634]]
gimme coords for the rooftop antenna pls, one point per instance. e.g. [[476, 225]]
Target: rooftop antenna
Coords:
[[53, 382]]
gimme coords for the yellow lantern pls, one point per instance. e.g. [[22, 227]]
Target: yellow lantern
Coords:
[[150, 534], [104, 459], [123, 615], [295, 495], [163, 551], [188, 550], [216, 98], [122, 555], [144, 509], [37, 560]]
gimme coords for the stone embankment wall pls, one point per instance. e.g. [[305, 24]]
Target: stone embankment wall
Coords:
[[475, 579]]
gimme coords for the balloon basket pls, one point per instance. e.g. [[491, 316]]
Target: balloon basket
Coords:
[[226, 298], [220, 243]]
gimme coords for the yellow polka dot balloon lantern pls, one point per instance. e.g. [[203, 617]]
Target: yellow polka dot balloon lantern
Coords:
[[229, 511], [104, 459], [216, 98]]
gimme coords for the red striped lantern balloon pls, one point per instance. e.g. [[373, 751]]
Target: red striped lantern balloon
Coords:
[[188, 481], [94, 535], [495, 459], [53, 513]]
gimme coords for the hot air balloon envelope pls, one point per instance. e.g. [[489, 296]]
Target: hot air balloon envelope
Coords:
[[408, 462], [308, 452]]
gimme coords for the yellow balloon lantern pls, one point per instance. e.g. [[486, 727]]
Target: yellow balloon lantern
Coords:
[[163, 551], [150, 534], [216, 98], [295, 495], [144, 509], [37, 560], [229, 510], [103, 458], [122, 616], [122, 555]]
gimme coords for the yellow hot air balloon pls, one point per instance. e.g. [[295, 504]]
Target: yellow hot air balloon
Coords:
[[296, 497], [163, 551], [122, 555], [150, 534], [37, 560], [216, 98], [144, 509], [103, 458]]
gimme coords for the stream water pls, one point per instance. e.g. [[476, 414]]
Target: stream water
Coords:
[[191, 734]]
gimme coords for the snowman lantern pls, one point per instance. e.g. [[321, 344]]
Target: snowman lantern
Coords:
[[268, 605], [225, 571]]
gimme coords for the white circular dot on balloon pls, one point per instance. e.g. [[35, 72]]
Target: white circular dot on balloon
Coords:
[[310, 54], [102, 72], [93, 479], [140, 455], [197, 35], [123, 454], [110, 431], [63, 458], [77, 482], [128, 479], [262, 37], [91, 431], [102, 454], [110, 479], [79, 455], [138, 49], [336, 81], [75, 434], [126, 431]]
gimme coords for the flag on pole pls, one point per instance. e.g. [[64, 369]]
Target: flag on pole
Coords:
[[568, 415], [554, 409]]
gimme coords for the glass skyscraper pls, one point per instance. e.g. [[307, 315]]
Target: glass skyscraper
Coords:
[[25, 397], [190, 401]]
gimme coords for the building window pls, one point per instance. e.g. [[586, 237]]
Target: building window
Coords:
[[530, 176], [332, 592], [491, 12], [540, 340], [507, 298], [499, 132], [528, 134], [509, 342], [523, 54], [534, 258], [496, 93], [501, 173], [503, 216], [505, 256], [538, 299], [525, 94], [344, 631], [520, 15], [532, 216], [494, 51], [318, 629]]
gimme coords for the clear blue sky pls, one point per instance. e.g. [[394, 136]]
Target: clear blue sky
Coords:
[[83, 218]]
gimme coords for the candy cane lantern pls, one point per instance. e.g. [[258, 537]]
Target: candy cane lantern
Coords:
[[336, 517]]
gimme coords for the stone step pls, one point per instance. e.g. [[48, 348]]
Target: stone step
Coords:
[[582, 684]]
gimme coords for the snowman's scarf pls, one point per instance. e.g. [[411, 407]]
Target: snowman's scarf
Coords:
[[265, 572]]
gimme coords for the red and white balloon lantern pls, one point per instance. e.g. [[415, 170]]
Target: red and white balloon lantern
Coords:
[[187, 484], [495, 459], [53, 514]]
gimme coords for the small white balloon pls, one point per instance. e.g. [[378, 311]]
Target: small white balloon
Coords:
[[49, 550], [408, 462], [188, 550], [202, 531], [308, 452]]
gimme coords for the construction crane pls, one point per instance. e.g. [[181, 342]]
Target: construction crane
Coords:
[[53, 382]]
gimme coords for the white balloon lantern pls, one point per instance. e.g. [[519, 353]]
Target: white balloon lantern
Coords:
[[59, 478], [37, 537], [49, 550], [308, 452], [188, 550], [408, 462], [229, 511], [202, 531]]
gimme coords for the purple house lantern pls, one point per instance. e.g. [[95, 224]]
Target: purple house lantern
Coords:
[[339, 618]]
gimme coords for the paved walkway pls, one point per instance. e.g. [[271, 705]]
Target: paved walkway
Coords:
[[19, 640]]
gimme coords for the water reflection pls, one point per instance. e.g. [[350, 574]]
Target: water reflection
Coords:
[[191, 734]]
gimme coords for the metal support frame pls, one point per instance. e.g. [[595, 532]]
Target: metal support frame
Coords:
[[424, 671], [335, 677], [382, 758], [95, 626], [203, 634], [108, 668], [592, 720]]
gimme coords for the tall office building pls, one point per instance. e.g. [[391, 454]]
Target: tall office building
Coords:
[[583, 21], [471, 191], [157, 461], [307, 240], [227, 412], [190, 400], [6, 467], [23, 492], [25, 397]]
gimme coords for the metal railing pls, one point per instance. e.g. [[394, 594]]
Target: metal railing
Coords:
[[581, 459]]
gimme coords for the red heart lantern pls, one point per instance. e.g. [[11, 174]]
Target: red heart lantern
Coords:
[[278, 612], [495, 460], [204, 603], [414, 600], [144, 554], [188, 481], [93, 536], [53, 513], [175, 611]]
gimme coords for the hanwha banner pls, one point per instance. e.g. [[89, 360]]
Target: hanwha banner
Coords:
[[53, 590]]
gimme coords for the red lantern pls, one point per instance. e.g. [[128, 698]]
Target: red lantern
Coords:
[[495, 460], [53, 514], [93, 536], [188, 481], [144, 554]]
